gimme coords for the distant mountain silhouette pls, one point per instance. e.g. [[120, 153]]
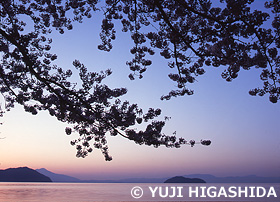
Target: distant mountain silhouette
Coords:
[[57, 177], [206, 177], [181, 179], [22, 174], [235, 179]]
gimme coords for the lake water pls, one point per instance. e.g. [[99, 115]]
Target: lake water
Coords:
[[88, 192]]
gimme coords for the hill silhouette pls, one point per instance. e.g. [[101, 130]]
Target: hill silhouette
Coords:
[[22, 174], [57, 177], [181, 179]]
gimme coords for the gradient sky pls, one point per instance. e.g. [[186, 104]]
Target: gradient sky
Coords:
[[244, 130]]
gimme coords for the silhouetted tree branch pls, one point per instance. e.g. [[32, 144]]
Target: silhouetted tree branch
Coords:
[[227, 34], [29, 77], [189, 34]]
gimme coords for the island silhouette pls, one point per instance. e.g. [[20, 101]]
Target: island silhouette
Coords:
[[181, 179]]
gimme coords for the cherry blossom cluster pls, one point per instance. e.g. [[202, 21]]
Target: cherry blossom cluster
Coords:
[[193, 35], [30, 77]]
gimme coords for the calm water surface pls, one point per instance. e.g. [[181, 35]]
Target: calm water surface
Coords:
[[88, 192], [64, 192]]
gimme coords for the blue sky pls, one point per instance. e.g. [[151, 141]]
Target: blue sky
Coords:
[[244, 130]]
